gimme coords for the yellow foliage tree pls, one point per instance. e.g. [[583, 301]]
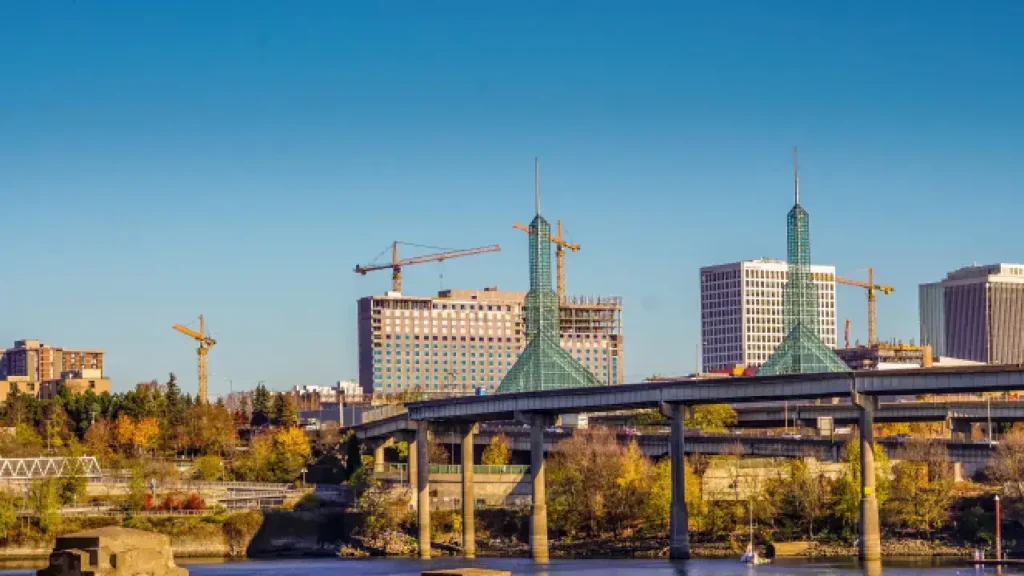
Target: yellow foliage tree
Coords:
[[291, 452], [124, 431], [145, 434], [497, 452]]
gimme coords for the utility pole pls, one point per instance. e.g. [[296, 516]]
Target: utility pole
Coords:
[[999, 537]]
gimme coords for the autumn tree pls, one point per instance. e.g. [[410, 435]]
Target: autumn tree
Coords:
[[580, 480], [208, 468], [436, 452], [98, 439], [915, 501], [498, 452], [291, 453], [210, 429], [145, 433], [54, 426], [712, 418], [124, 432], [1007, 464]]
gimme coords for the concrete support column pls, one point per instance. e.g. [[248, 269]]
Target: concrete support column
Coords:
[[413, 459], [679, 531], [869, 545], [468, 499], [378, 458], [539, 513], [423, 487]]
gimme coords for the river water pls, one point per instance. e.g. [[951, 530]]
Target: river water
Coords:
[[405, 567]]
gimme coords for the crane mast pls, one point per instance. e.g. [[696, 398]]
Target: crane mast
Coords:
[[560, 245], [205, 343], [871, 287]]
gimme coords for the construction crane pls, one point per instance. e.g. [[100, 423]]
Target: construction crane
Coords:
[[205, 343], [396, 265], [871, 287], [561, 244]]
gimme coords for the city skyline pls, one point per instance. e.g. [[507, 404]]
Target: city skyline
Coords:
[[241, 174]]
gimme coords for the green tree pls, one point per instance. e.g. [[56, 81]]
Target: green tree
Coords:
[[713, 418], [284, 411], [354, 457], [846, 490], [45, 499], [498, 452], [260, 406], [382, 510], [137, 489], [8, 511], [208, 468], [74, 483], [54, 425]]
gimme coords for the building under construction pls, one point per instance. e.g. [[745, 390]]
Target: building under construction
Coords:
[[886, 356], [461, 340]]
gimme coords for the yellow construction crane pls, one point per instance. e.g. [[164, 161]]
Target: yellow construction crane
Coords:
[[561, 244], [871, 287], [205, 343], [396, 265]]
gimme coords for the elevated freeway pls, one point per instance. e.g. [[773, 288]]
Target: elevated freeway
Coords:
[[674, 398]]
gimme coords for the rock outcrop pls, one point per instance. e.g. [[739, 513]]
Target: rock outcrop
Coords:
[[112, 551]]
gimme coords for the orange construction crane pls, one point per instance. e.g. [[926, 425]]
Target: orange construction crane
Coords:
[[396, 265], [205, 343], [561, 244], [871, 287]]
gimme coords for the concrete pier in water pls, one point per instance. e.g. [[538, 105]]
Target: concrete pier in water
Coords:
[[468, 499]]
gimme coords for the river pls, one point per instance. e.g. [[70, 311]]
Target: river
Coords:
[[406, 567]]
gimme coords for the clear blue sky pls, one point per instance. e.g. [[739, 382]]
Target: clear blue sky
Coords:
[[162, 159]]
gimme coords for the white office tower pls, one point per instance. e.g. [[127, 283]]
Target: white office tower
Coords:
[[742, 313]]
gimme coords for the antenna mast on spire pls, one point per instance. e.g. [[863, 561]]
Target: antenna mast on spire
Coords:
[[796, 176], [536, 184]]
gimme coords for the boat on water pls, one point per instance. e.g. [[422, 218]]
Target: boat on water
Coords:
[[750, 556]]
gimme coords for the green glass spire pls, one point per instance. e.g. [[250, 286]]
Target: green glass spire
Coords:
[[543, 365], [801, 351]]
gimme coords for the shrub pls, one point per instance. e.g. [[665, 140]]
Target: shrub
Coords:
[[239, 530]]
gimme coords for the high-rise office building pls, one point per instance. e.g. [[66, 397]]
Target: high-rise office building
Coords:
[[742, 308], [982, 314], [464, 339], [930, 309]]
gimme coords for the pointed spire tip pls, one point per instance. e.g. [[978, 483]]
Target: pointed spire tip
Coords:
[[796, 176], [536, 184]]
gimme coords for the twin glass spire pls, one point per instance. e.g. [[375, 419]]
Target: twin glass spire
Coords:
[[801, 351], [543, 365]]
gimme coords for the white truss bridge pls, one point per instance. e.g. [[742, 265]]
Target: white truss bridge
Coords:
[[29, 468]]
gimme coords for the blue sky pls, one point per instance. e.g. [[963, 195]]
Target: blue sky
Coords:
[[164, 159]]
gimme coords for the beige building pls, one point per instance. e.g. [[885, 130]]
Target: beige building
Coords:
[[460, 340], [982, 314], [33, 366]]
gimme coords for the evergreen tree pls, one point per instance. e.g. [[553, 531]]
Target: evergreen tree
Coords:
[[260, 406], [288, 415], [277, 410]]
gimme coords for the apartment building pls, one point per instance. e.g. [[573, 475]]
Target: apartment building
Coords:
[[742, 311], [460, 340], [43, 370], [982, 315]]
